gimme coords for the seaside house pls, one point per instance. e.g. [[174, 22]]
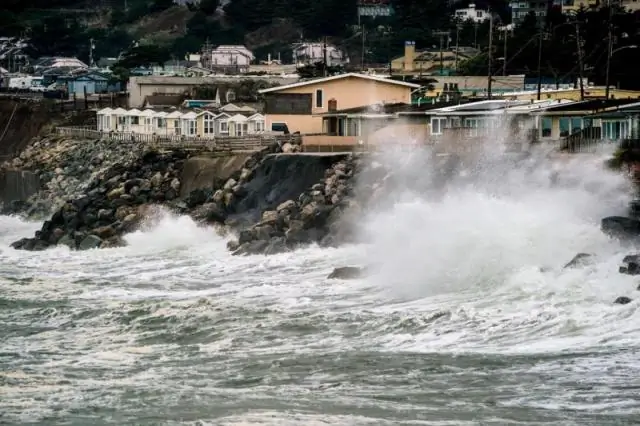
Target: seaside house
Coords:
[[173, 122], [119, 120], [188, 124], [618, 123], [564, 120], [146, 122], [206, 123], [256, 123], [300, 106], [397, 123], [103, 119], [160, 123], [132, 121]]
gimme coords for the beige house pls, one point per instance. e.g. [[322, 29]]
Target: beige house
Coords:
[[299, 106]]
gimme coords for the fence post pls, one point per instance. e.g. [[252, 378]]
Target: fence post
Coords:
[[86, 101]]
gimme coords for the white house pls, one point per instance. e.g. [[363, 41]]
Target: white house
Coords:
[[103, 118], [471, 14], [190, 124], [227, 56], [310, 53]]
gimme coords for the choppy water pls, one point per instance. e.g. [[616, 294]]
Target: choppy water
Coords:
[[470, 320]]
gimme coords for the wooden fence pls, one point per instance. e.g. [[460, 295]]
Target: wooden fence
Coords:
[[232, 144]]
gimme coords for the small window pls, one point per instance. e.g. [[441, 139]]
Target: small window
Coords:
[[436, 126], [224, 127], [319, 100], [546, 127], [280, 127]]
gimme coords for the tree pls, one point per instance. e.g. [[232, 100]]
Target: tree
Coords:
[[209, 7], [144, 56]]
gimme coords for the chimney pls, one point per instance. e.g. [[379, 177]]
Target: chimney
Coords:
[[332, 105], [409, 55]]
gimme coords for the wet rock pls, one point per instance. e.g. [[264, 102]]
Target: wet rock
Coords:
[[90, 242], [622, 300], [68, 241], [621, 227], [252, 247], [631, 265], [580, 259], [347, 273]]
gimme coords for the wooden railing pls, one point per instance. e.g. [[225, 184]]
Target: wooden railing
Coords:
[[584, 140], [240, 143]]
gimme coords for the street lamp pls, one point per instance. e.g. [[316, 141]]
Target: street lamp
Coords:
[[611, 53]]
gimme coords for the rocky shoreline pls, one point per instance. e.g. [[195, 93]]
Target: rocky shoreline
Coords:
[[122, 185]]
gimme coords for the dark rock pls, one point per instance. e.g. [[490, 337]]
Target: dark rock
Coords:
[[197, 197], [580, 259], [276, 245], [245, 236], [347, 273], [90, 242], [622, 300], [67, 241], [210, 212], [252, 247], [104, 232], [621, 227], [631, 265], [81, 203]]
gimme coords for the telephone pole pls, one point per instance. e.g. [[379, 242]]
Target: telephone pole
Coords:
[[609, 49], [441, 34], [489, 76], [580, 61]]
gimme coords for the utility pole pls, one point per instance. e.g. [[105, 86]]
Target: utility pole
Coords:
[[441, 34], [324, 56], [580, 61], [489, 76], [540, 39], [457, 46], [362, 53], [609, 50], [505, 33]]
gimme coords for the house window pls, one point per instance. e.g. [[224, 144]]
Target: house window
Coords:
[[242, 129], [545, 127], [319, 100], [564, 124], [191, 127], [224, 127], [353, 127], [161, 123], [280, 127], [437, 125], [209, 125], [259, 126], [576, 125], [135, 120]]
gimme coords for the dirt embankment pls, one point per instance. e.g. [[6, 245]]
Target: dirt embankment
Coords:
[[19, 123]]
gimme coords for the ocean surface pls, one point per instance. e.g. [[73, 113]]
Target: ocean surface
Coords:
[[469, 318]]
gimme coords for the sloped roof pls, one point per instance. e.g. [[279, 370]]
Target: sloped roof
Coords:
[[378, 79]]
